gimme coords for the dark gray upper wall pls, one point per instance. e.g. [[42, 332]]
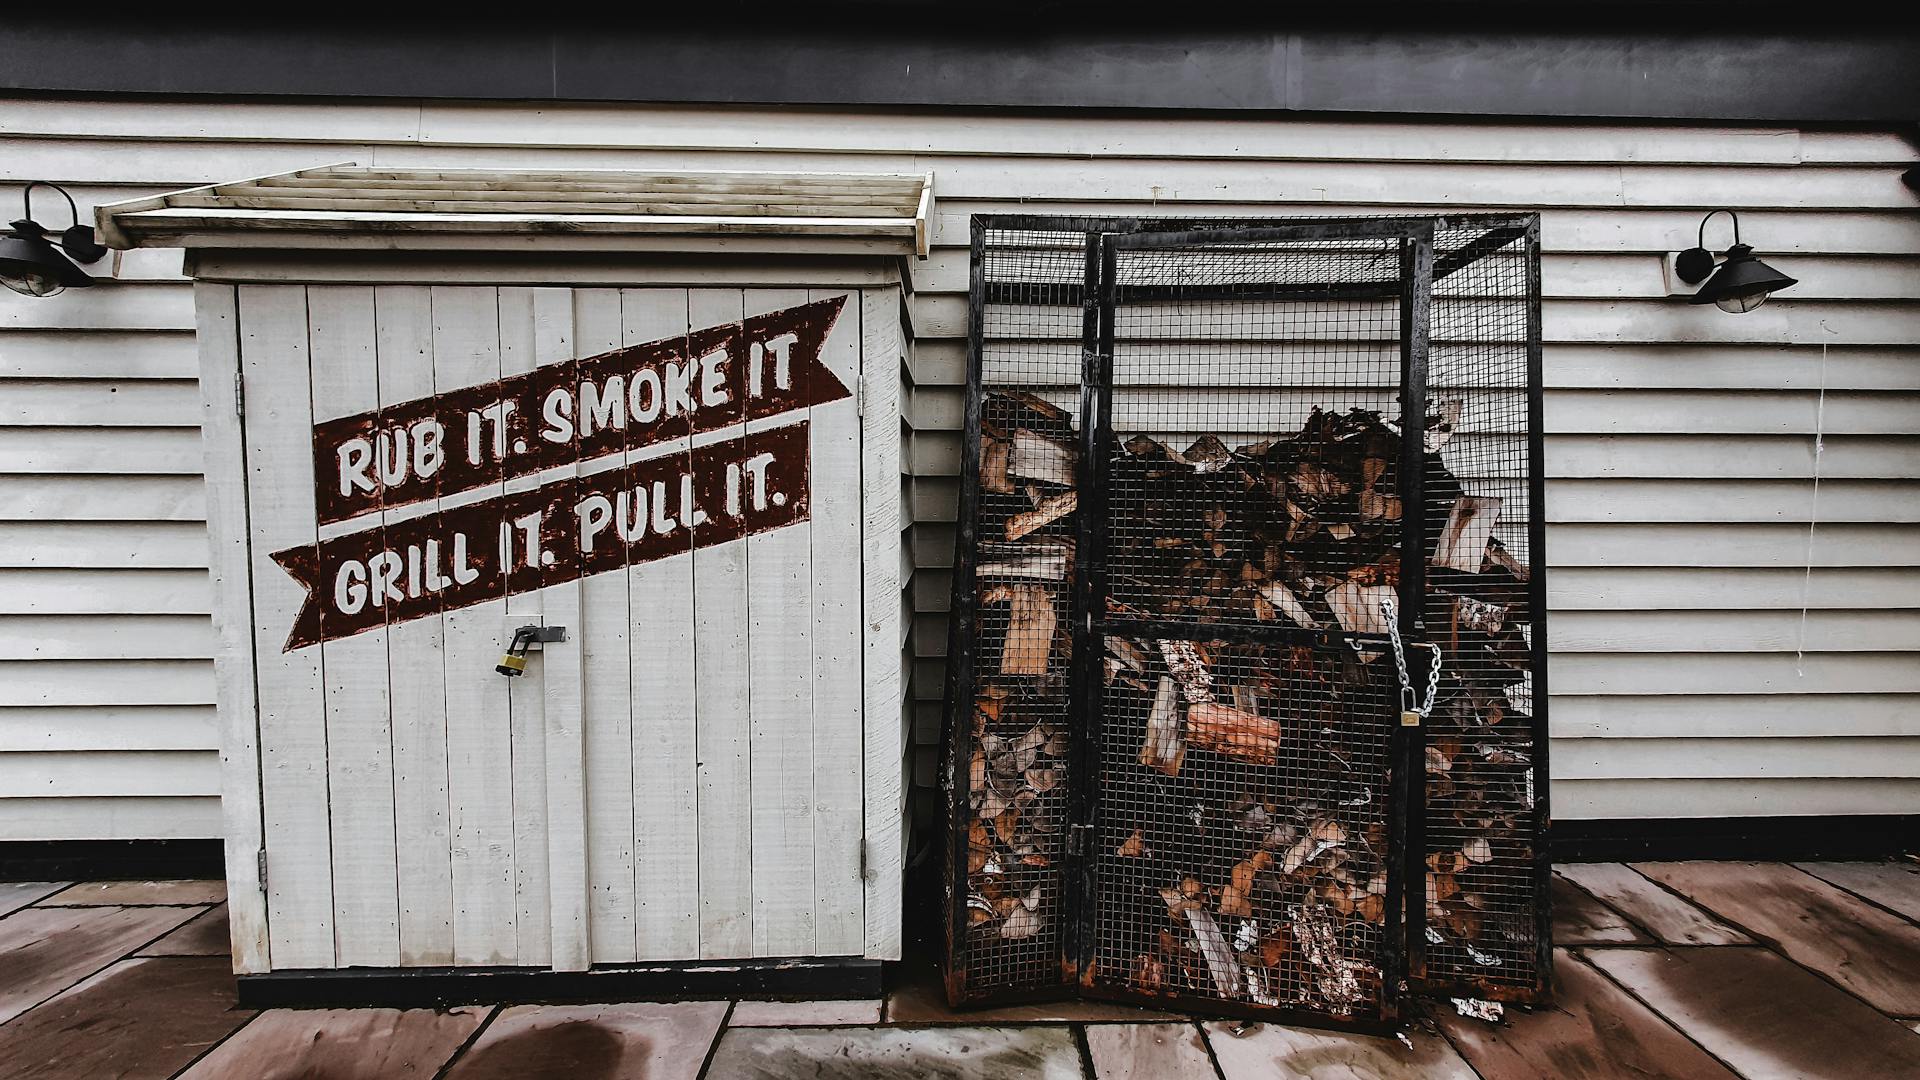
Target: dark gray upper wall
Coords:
[[983, 56]]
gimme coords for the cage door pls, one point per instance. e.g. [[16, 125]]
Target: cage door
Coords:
[[1246, 501]]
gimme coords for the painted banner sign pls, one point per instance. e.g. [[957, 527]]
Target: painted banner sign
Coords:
[[555, 533], [614, 401]]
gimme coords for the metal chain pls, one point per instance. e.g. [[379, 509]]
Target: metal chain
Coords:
[[1409, 701]]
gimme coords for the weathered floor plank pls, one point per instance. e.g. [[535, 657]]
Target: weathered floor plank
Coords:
[[1664, 915], [15, 895], [919, 1003], [1870, 952], [1593, 1031], [1149, 1052], [1893, 885], [45, 950], [141, 1019], [340, 1044], [1270, 1052], [205, 935], [941, 1053], [139, 894], [1759, 1013], [594, 1042], [1579, 919]]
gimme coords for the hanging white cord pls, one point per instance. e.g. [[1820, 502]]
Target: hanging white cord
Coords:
[[1813, 515]]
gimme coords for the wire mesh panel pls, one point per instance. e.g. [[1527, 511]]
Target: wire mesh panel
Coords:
[[1249, 539], [1007, 767], [1485, 820]]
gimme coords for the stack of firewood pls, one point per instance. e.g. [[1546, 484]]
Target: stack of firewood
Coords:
[[1242, 788], [1015, 778]]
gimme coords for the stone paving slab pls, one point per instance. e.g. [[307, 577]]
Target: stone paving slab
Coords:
[[1269, 1052], [1874, 954], [15, 895], [340, 1044], [1893, 885], [892, 1053], [139, 893], [1593, 1031], [1579, 919], [1666, 916], [141, 1019], [1149, 1052], [45, 950], [204, 935], [804, 1013], [1764, 1016], [594, 1042]]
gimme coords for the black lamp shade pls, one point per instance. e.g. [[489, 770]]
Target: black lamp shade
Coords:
[[1740, 276], [29, 263]]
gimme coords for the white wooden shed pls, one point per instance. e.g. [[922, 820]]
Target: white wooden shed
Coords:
[[655, 413]]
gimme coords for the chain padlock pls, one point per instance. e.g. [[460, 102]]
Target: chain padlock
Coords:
[[513, 663], [1412, 713]]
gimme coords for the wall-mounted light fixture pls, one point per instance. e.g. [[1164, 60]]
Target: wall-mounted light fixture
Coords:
[[32, 264], [1739, 282]]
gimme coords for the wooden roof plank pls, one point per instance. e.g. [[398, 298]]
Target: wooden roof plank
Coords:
[[322, 206]]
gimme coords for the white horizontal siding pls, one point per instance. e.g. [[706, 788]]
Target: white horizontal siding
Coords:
[[1680, 450]]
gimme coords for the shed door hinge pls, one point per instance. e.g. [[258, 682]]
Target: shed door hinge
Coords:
[[240, 402], [860, 395], [866, 862], [260, 864]]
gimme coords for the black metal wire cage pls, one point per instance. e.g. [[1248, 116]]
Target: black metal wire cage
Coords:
[[1183, 762]]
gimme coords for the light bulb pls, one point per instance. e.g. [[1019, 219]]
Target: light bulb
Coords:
[[32, 283], [1737, 304]]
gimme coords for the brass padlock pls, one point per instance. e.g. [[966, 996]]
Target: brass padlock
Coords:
[[1409, 718], [514, 662]]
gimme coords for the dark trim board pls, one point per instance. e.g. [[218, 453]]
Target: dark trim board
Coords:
[[831, 978], [1771, 839], [110, 860], [1783, 64]]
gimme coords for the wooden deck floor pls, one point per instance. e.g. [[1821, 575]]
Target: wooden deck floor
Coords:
[[1712, 970]]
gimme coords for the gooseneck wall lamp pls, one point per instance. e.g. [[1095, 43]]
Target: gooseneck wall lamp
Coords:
[[33, 263], [1738, 281]]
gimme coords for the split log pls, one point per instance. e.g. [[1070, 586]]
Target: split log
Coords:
[[1038, 559], [1036, 457], [1357, 607], [1463, 540], [993, 466], [1188, 669], [1222, 966], [1234, 732], [1050, 510], [1030, 626], [1277, 594], [1164, 748]]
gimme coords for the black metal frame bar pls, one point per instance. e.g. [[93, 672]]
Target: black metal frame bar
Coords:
[[960, 622], [1537, 599], [1097, 295], [1416, 270]]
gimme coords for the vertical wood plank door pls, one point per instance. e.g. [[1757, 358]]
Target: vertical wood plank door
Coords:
[[675, 476]]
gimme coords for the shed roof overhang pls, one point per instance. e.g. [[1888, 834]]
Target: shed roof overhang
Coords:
[[341, 206]]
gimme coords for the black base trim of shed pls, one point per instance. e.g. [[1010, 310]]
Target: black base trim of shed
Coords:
[[835, 977], [110, 860], [1772, 839]]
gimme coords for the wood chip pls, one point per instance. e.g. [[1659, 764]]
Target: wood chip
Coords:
[[1030, 628]]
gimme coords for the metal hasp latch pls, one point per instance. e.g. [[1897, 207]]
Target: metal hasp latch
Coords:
[[514, 663]]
